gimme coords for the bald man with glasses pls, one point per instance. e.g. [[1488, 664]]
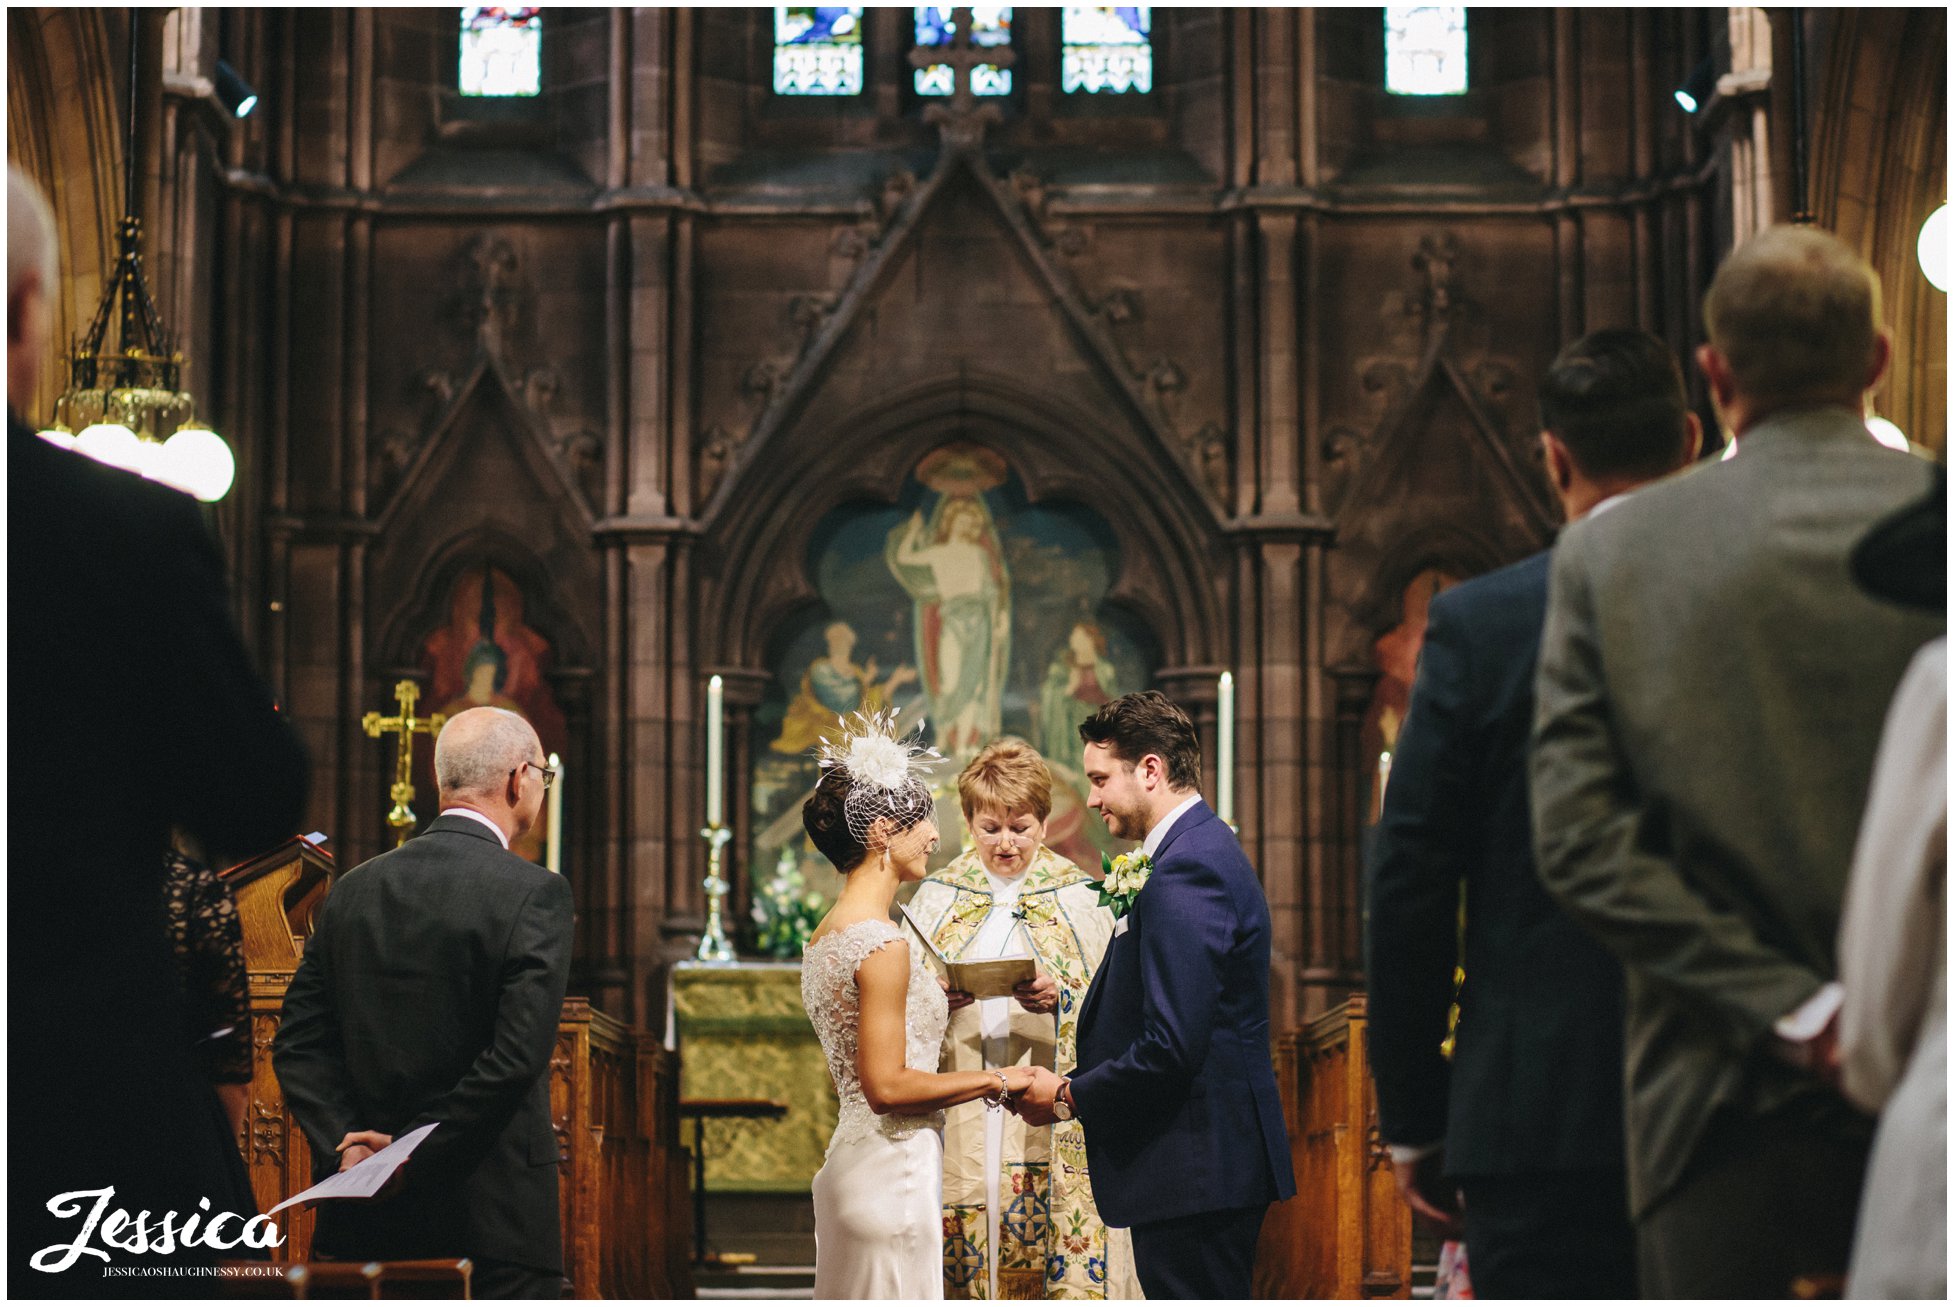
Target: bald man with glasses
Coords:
[[430, 993]]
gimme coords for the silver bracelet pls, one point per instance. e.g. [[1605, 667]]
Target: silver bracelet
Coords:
[[1003, 1092]]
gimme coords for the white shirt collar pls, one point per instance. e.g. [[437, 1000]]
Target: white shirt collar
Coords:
[[1616, 498], [476, 816], [1158, 834]]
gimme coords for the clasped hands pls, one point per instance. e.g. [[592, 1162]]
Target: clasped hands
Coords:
[[1030, 1092], [358, 1145]]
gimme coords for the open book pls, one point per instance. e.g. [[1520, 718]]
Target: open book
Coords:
[[990, 978]]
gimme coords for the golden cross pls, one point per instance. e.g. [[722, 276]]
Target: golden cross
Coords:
[[404, 723]]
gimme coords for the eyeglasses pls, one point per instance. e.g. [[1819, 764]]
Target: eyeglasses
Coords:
[[1005, 836], [548, 773]]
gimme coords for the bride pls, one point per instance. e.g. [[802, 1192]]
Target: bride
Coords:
[[878, 1222]]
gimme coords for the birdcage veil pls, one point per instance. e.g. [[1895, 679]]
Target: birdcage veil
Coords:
[[888, 777]]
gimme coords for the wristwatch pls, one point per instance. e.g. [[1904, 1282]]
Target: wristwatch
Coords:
[[1060, 1108]]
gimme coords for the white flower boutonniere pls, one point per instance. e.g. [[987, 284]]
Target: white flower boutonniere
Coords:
[[1125, 877]]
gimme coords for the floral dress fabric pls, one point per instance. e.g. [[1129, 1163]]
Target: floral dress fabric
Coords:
[[208, 942]]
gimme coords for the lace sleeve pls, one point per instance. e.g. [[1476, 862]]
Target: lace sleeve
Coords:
[[871, 940]]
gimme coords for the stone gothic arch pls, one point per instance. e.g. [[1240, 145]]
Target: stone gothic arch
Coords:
[[753, 553]]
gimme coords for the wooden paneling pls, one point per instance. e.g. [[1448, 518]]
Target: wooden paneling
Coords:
[[1346, 1233]]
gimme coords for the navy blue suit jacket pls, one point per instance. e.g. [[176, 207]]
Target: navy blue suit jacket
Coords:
[[1174, 1084], [1535, 1080]]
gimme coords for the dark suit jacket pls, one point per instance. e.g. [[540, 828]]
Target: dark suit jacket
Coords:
[[133, 706], [1712, 687], [431, 991], [1534, 1083], [1174, 1085]]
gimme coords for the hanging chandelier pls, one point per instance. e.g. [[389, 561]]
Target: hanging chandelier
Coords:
[[127, 407]]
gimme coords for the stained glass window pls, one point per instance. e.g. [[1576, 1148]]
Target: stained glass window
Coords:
[[1425, 50], [817, 51], [1108, 49], [501, 51], [989, 25]]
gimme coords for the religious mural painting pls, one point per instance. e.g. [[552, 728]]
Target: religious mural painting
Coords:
[[1396, 653], [972, 612], [484, 653]]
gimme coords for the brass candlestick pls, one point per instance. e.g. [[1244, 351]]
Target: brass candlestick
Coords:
[[713, 945]]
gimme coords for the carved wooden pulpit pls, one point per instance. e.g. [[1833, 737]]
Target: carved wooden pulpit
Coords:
[[277, 895]]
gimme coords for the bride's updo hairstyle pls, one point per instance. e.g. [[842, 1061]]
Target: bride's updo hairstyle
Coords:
[[867, 776], [824, 818]]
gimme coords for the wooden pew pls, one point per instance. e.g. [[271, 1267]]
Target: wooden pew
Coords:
[[613, 1102], [438, 1278], [1346, 1233]]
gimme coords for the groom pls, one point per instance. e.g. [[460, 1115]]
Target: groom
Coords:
[[1184, 1135]]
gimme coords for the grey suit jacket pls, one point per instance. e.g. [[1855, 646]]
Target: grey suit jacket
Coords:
[[1710, 696]]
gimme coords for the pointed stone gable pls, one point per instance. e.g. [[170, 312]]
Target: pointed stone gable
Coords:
[[912, 312]]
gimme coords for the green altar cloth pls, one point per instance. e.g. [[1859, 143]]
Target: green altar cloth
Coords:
[[741, 1032]]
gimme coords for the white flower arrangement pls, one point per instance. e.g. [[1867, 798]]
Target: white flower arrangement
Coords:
[[1125, 876]]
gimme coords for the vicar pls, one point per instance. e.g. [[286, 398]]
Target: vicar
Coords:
[[429, 993]]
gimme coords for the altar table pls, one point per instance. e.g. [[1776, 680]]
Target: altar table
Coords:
[[741, 1032]]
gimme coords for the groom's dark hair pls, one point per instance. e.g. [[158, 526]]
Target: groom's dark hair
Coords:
[[1147, 721]]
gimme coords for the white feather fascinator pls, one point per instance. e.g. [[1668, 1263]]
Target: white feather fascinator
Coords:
[[888, 777]]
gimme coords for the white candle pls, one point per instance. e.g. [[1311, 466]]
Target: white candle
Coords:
[[553, 848], [1224, 770], [715, 752]]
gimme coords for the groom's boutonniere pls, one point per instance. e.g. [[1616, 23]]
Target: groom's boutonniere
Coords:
[[1125, 877]]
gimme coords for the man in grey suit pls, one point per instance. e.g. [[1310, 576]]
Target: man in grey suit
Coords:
[[1711, 690], [430, 993]]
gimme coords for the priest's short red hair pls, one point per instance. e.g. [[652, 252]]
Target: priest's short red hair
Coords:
[[1009, 776]]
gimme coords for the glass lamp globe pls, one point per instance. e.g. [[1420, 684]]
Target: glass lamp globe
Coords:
[[150, 459], [198, 462], [111, 443], [1932, 248]]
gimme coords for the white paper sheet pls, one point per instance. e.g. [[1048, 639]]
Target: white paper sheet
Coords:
[[366, 1179]]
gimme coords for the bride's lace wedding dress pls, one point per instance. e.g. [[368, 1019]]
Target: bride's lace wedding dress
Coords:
[[878, 1219]]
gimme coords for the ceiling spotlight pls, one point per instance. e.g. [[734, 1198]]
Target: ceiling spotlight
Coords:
[[234, 92], [1694, 92]]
